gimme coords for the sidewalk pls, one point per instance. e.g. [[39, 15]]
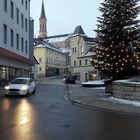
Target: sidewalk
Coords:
[[97, 98]]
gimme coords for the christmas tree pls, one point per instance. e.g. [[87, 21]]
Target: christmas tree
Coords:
[[118, 38]]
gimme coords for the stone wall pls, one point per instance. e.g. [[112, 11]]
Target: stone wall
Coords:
[[126, 89]]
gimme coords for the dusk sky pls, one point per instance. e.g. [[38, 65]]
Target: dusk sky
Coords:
[[64, 15]]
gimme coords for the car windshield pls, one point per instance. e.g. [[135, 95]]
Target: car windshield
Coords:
[[19, 81]]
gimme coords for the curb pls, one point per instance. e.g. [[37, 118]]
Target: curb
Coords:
[[99, 103]]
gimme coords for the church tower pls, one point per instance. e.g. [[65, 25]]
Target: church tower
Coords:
[[42, 23]]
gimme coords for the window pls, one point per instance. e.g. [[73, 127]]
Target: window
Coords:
[[79, 62], [75, 49], [26, 24], [22, 20], [22, 44], [40, 59], [26, 47], [17, 40], [74, 63], [12, 37], [72, 50], [5, 34], [82, 49], [17, 15], [86, 62], [40, 69], [26, 4], [12, 10], [22, 1], [5, 5]]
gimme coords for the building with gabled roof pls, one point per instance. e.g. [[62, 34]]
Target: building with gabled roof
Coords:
[[59, 41], [81, 54], [52, 61], [78, 31], [77, 46]]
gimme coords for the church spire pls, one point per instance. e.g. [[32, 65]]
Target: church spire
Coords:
[[43, 23], [43, 11]]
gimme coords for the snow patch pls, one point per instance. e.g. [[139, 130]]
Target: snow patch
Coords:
[[95, 82], [123, 101]]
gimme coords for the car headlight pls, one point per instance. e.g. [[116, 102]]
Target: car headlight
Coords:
[[7, 87], [24, 88]]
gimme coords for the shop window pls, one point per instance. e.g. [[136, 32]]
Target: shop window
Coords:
[[4, 74]]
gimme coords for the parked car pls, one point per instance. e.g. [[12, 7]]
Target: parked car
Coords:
[[70, 80], [21, 86]]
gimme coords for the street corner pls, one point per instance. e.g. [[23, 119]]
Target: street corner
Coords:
[[103, 101]]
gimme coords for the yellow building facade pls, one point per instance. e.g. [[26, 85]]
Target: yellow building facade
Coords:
[[51, 60]]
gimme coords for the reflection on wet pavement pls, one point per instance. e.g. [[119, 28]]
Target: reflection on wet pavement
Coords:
[[17, 119], [6, 105], [25, 121]]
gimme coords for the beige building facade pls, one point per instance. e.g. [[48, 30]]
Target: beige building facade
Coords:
[[81, 55]]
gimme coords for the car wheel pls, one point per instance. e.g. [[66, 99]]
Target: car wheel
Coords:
[[34, 91]]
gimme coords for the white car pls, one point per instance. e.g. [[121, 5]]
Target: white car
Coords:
[[21, 86]]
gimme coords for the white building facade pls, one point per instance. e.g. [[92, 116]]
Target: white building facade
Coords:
[[14, 39]]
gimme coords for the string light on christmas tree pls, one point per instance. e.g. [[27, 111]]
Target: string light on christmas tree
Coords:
[[118, 38]]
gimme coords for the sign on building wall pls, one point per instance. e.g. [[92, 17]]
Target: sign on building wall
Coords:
[[76, 70]]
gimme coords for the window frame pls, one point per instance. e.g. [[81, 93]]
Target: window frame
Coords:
[[4, 33], [5, 5], [12, 9], [12, 38]]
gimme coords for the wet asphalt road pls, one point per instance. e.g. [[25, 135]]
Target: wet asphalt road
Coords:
[[47, 115]]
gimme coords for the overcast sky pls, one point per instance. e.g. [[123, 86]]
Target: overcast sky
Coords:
[[64, 15]]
